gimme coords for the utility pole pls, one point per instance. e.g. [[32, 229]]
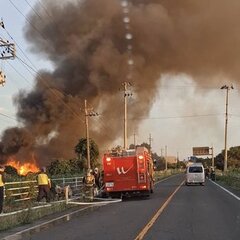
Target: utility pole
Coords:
[[134, 139], [88, 113], [226, 125], [7, 51], [161, 152], [166, 158], [150, 142], [177, 160], [127, 94], [212, 157]]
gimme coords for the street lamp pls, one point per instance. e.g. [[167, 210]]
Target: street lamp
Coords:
[[226, 122]]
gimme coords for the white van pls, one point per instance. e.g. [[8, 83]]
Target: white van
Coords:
[[195, 174]]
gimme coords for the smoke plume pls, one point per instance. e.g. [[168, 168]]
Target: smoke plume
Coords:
[[85, 41]]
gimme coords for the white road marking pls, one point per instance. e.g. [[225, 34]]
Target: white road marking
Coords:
[[144, 231], [235, 196]]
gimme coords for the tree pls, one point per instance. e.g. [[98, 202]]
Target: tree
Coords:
[[81, 151], [159, 162], [11, 170], [233, 158], [59, 167], [65, 167], [132, 146]]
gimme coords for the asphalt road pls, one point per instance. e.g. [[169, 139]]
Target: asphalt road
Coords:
[[194, 212]]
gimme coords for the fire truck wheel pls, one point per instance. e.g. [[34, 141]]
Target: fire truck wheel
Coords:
[[115, 195]]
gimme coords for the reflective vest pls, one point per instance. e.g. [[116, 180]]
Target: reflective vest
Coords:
[[90, 180], [42, 179], [1, 181]]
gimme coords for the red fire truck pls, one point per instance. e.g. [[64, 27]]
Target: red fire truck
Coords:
[[128, 172]]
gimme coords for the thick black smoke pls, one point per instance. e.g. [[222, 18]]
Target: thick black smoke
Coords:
[[85, 40]]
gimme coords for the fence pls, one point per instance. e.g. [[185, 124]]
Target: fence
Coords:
[[26, 190]]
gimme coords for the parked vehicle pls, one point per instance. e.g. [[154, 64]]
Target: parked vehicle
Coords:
[[195, 174], [128, 172]]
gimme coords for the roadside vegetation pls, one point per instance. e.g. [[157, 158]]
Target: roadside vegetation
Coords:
[[29, 214], [68, 168], [231, 178], [159, 175]]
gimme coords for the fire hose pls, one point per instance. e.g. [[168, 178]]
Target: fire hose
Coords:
[[100, 201]]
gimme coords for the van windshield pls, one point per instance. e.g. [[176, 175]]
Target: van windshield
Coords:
[[195, 169]]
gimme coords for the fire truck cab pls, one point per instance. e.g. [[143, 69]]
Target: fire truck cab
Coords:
[[128, 172]]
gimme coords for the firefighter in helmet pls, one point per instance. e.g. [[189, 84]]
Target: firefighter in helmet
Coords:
[[89, 182], [97, 177], [44, 185]]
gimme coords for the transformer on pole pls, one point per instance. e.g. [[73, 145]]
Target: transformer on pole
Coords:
[[7, 51]]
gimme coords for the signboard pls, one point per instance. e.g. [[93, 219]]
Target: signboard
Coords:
[[198, 151]]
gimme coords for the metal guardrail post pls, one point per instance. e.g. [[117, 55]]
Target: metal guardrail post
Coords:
[[76, 182], [66, 194], [63, 182]]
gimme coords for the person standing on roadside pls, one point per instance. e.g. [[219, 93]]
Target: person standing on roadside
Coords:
[[44, 185], [2, 182], [96, 175]]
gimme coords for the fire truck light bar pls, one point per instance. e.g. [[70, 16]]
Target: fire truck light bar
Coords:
[[140, 156]]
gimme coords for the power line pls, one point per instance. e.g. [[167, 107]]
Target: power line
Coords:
[[175, 117], [33, 9], [52, 91], [47, 12], [19, 47], [5, 115], [27, 20], [21, 75]]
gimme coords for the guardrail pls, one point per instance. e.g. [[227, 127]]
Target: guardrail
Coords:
[[26, 190]]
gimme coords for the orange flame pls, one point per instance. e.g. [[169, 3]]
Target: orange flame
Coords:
[[23, 168]]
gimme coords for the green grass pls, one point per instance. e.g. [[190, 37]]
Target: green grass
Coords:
[[231, 178], [29, 215], [158, 175]]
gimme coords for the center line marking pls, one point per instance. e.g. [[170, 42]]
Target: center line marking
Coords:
[[158, 213]]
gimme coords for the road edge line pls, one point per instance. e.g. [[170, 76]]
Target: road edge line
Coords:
[[232, 194], [157, 214]]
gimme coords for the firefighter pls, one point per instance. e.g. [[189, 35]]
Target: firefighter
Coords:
[[44, 185], [97, 177], [2, 181], [89, 182]]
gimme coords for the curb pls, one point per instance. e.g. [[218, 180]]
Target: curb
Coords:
[[27, 232]]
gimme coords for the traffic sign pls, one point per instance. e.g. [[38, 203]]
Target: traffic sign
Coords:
[[198, 151]]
